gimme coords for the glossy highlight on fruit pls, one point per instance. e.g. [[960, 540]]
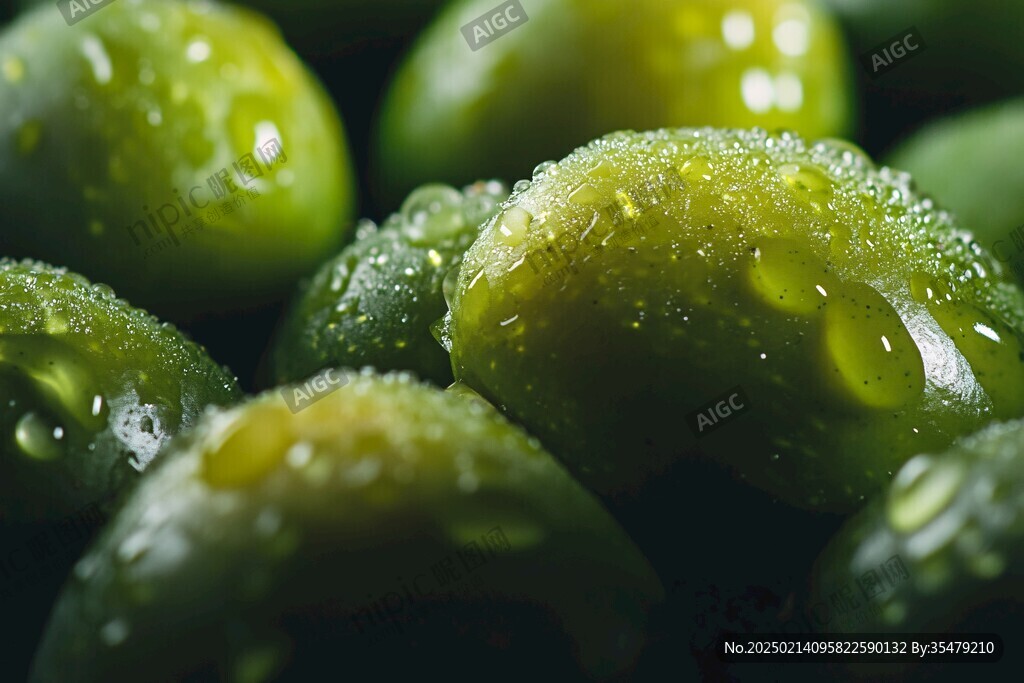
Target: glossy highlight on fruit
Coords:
[[374, 303], [177, 150], [650, 278], [576, 69], [940, 550], [91, 389], [387, 527]]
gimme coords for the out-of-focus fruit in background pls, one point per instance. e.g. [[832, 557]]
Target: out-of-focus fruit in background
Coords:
[[374, 304], [940, 551], [119, 133], [386, 527], [577, 69], [90, 390], [971, 165]]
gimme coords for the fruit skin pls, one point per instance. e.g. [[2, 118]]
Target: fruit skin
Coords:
[[374, 303], [577, 69], [954, 521], [938, 552], [968, 164], [601, 345], [111, 125], [91, 389], [285, 530]]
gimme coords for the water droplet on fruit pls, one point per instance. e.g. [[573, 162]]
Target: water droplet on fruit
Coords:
[[790, 277], [991, 348], [521, 186], [512, 225], [697, 167], [872, 359], [808, 183], [432, 213], [544, 168], [38, 437], [921, 490], [585, 194], [450, 284]]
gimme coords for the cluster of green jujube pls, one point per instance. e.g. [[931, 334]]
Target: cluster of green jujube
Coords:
[[705, 370]]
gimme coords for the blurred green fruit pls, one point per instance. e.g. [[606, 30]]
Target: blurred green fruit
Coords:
[[90, 390], [387, 528], [576, 69], [178, 151], [374, 304]]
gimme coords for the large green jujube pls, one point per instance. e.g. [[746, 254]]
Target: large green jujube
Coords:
[[374, 304], [90, 390], [576, 69], [938, 552], [176, 150], [273, 545], [648, 275]]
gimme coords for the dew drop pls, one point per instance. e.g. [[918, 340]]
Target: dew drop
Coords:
[[873, 361], [512, 225], [922, 488], [585, 194], [993, 350], [697, 167], [544, 168], [808, 183], [790, 277], [432, 213], [39, 438]]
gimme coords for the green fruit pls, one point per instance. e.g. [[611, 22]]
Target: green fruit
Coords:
[[276, 545], [939, 552], [619, 299], [577, 69], [375, 302], [969, 164], [91, 389], [118, 133]]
